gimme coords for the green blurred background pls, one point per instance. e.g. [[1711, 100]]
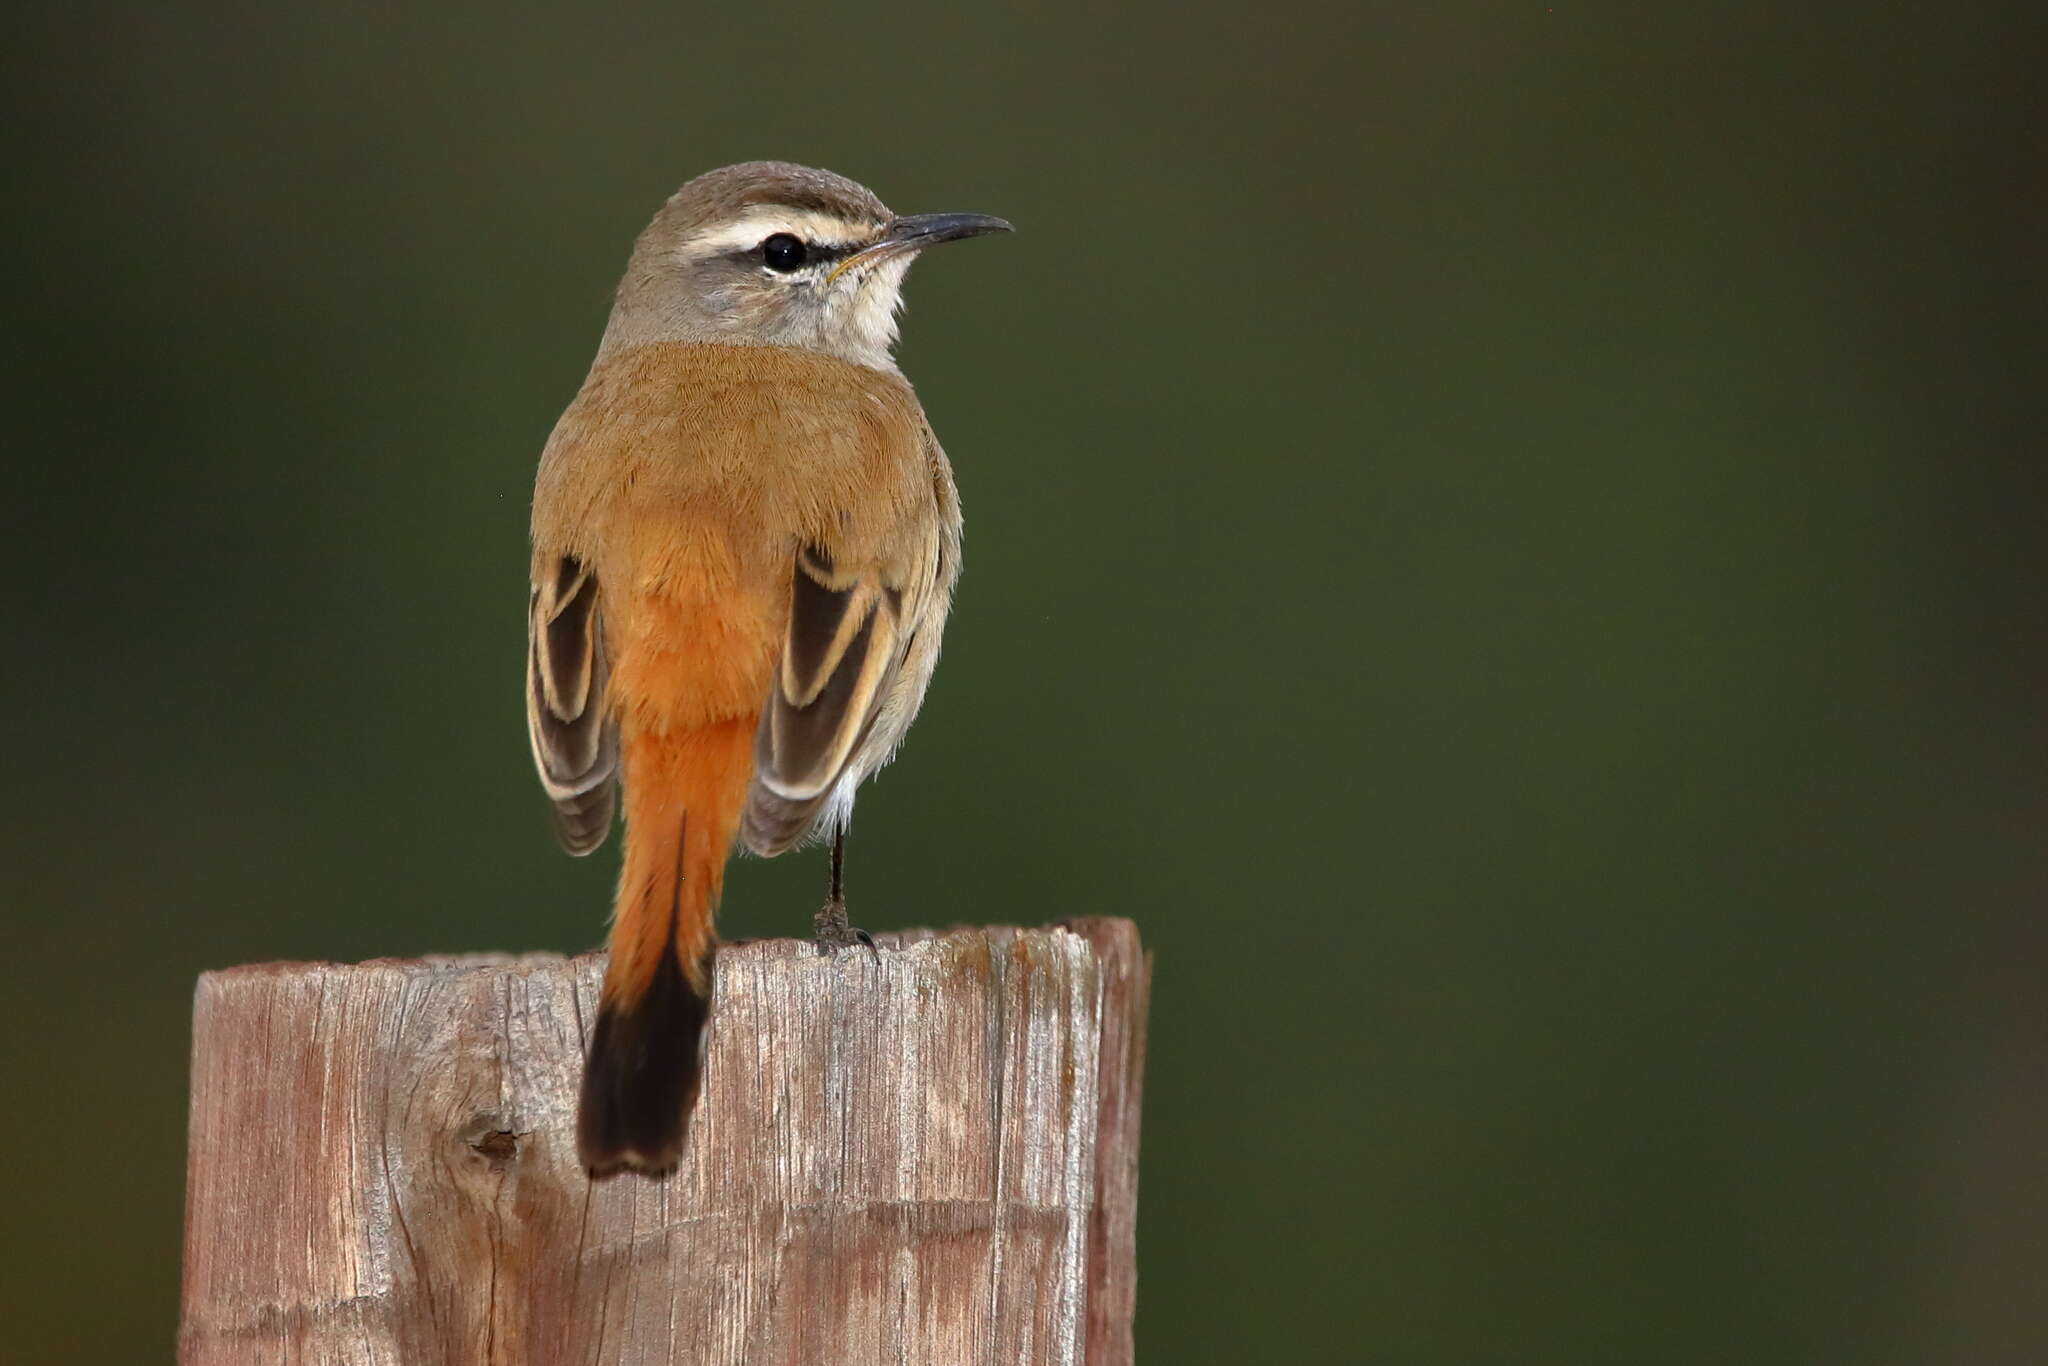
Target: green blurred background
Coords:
[[1503, 535]]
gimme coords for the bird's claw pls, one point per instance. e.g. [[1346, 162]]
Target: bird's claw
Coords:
[[835, 932]]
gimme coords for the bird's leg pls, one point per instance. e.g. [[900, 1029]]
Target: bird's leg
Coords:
[[834, 930]]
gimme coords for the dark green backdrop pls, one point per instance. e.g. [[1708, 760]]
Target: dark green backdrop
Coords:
[[1501, 534]]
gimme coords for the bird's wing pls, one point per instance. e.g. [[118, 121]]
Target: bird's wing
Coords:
[[575, 739], [843, 660]]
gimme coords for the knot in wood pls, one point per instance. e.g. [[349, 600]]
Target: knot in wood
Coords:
[[488, 1139]]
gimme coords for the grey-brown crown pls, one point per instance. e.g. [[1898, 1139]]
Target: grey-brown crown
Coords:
[[724, 193]]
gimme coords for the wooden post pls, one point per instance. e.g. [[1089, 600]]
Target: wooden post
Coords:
[[930, 1157]]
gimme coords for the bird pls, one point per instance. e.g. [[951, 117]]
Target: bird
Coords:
[[745, 540]]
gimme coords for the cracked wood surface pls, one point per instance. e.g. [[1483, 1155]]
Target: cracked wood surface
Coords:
[[930, 1158]]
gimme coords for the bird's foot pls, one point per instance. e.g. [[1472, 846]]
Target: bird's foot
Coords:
[[835, 932]]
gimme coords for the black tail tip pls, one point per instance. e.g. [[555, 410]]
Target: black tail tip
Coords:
[[640, 1081]]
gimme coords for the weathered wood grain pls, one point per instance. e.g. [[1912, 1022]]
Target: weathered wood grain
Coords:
[[930, 1158]]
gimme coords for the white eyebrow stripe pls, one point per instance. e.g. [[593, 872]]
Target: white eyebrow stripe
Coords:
[[765, 220]]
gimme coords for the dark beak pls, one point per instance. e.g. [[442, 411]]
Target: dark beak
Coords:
[[914, 232], [918, 230]]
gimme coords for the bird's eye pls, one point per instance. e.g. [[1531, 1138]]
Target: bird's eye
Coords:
[[783, 252]]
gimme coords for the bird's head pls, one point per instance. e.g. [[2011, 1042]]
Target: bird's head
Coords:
[[769, 254]]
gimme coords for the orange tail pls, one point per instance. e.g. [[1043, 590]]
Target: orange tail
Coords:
[[684, 792]]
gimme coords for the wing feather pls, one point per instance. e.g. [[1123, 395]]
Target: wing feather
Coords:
[[840, 654], [575, 740]]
